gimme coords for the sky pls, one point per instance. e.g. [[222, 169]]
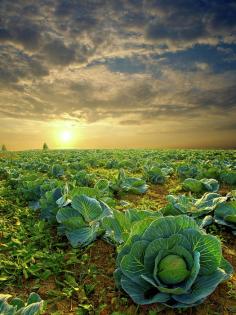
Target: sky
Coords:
[[117, 74]]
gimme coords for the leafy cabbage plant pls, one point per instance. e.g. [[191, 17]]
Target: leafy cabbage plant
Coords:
[[170, 261], [211, 207], [225, 213], [197, 186], [82, 178], [228, 177], [154, 174], [57, 170], [195, 207], [81, 220], [33, 306], [118, 225], [129, 184], [187, 171]]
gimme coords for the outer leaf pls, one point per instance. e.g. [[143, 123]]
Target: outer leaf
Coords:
[[132, 264], [6, 309], [102, 185], [32, 309], [225, 209], [66, 213], [202, 287], [18, 303], [165, 227], [138, 229], [210, 184], [143, 294], [88, 207], [225, 214], [209, 248], [118, 227], [82, 236]]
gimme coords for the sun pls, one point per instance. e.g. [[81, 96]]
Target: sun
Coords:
[[66, 136]]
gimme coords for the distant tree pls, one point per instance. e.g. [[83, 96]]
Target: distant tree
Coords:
[[4, 148], [45, 146]]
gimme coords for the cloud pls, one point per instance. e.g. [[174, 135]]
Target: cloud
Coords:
[[182, 24], [4, 35], [17, 67], [124, 62], [57, 53]]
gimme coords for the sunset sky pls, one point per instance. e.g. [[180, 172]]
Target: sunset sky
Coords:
[[117, 73]]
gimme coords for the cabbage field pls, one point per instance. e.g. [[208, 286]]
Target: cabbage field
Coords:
[[118, 232]]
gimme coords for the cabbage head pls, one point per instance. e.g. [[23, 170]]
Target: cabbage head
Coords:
[[170, 261]]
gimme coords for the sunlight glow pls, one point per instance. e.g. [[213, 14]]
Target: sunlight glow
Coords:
[[66, 136]]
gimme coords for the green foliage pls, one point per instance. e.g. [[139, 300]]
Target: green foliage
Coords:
[[193, 185], [48, 204], [128, 184], [187, 171], [211, 207], [82, 178], [197, 186], [33, 306], [154, 175], [4, 173], [57, 170], [210, 184], [228, 177], [225, 213], [194, 207], [170, 261], [81, 221], [118, 225]]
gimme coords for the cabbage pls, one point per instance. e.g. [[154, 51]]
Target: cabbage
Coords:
[[170, 261]]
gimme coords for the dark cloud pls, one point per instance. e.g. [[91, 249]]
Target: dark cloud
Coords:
[[29, 36], [57, 53], [16, 66], [4, 35], [187, 22], [221, 98], [158, 31], [30, 10]]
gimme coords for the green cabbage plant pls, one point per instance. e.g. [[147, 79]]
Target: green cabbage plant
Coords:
[[197, 186], [82, 178], [170, 261], [193, 185], [125, 184], [81, 220], [228, 177], [225, 213], [57, 170], [187, 171], [195, 207], [154, 174]]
